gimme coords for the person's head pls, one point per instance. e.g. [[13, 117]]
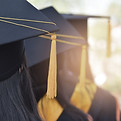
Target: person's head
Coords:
[[17, 102], [18, 23]]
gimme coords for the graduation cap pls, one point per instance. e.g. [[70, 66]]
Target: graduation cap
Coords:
[[18, 21], [67, 38], [80, 22], [13, 14]]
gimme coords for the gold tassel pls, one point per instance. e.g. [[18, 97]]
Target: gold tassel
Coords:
[[52, 74], [83, 66], [109, 40], [49, 109]]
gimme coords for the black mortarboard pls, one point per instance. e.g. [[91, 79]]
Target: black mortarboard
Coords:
[[65, 28], [13, 32], [20, 9], [32, 47], [80, 22]]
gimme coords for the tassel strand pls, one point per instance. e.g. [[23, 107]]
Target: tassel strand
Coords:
[[83, 66], [52, 74], [109, 40]]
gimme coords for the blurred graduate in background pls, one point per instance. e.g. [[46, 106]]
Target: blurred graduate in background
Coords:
[[101, 105], [41, 65], [75, 88]]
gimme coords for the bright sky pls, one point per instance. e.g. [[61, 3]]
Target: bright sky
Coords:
[[76, 6], [96, 6]]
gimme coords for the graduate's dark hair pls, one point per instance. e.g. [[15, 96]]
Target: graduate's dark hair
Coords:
[[17, 102], [66, 83]]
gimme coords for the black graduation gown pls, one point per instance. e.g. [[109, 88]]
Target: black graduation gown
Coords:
[[64, 117], [103, 106]]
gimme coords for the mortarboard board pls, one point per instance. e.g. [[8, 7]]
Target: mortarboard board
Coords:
[[18, 20], [20, 9], [66, 31], [64, 28], [80, 22]]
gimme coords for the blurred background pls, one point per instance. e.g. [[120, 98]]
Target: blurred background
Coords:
[[106, 71]]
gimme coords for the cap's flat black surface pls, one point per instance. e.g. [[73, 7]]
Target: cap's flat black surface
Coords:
[[38, 49], [64, 26], [23, 10]]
